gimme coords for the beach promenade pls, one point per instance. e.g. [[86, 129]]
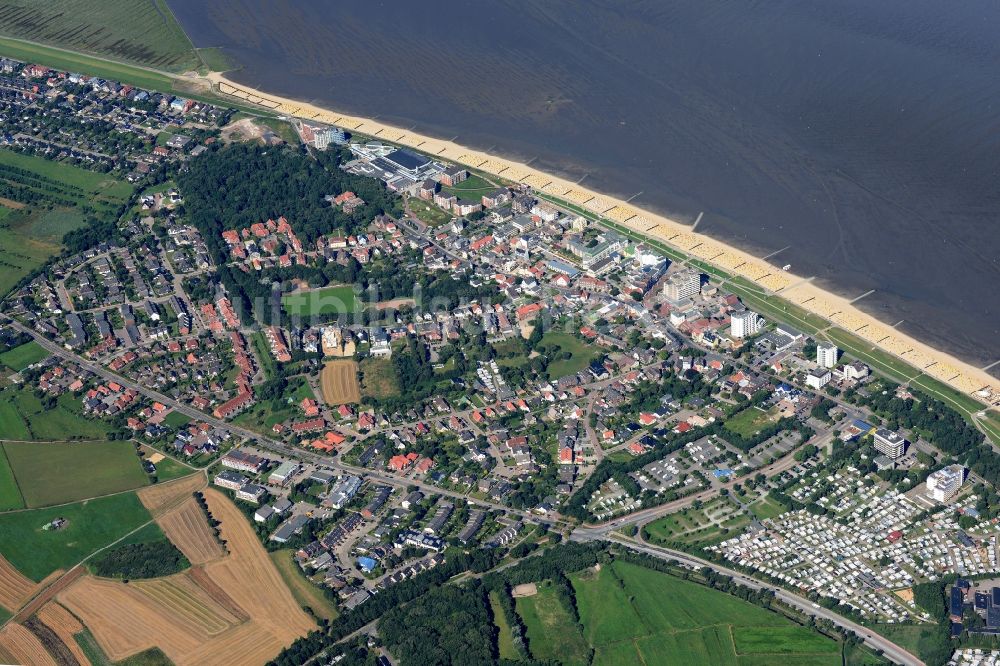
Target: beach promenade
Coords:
[[828, 314]]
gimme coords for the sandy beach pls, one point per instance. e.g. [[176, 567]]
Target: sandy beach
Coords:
[[799, 290]]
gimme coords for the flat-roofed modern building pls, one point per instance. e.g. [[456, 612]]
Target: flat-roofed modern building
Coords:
[[891, 443]]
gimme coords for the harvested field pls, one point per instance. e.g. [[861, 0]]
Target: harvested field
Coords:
[[24, 647], [339, 381], [60, 619], [62, 622], [235, 609], [187, 529], [56, 582], [218, 595], [52, 643], [162, 497], [183, 598], [15, 587]]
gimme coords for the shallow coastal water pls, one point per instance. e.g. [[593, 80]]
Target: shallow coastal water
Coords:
[[864, 136]]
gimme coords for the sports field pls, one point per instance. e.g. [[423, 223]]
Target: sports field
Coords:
[[24, 417], [328, 300], [90, 525], [339, 382], [634, 615], [22, 356], [54, 473]]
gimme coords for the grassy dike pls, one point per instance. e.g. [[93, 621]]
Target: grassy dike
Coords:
[[136, 75]]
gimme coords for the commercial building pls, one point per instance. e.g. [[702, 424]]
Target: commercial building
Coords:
[[284, 473], [746, 323], [944, 484], [892, 444], [826, 355]]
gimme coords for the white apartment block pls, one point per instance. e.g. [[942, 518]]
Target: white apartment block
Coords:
[[890, 443], [826, 355], [944, 484], [746, 323], [818, 378], [682, 284]]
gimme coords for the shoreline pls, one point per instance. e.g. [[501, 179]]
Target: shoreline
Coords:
[[798, 290]]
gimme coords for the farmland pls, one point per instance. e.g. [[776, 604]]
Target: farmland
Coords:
[[36, 552], [144, 33], [43, 200], [325, 301], [23, 416], [10, 494], [339, 381], [163, 497], [633, 615], [22, 356], [53, 473], [186, 527], [235, 608]]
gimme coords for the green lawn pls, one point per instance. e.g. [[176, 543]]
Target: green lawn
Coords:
[[473, 187], [328, 300], [10, 495], [552, 634], [694, 527], [24, 417], [750, 421], [176, 419], [54, 473], [142, 32], [428, 213], [168, 468], [22, 356], [555, 343], [80, 184], [634, 615], [261, 417], [505, 640], [90, 525], [766, 507], [306, 593]]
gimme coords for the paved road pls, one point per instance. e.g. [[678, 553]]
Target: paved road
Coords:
[[892, 651], [259, 440]]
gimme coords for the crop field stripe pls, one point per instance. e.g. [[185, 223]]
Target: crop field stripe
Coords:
[[10, 492]]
